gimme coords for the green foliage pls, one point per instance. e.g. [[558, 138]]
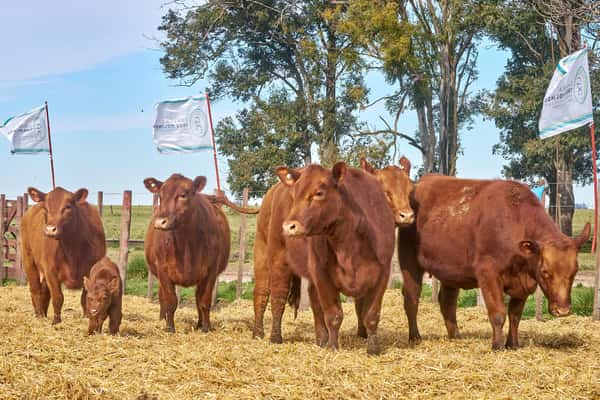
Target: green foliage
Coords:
[[137, 267]]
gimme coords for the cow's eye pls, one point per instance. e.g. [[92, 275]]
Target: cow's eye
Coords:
[[183, 196], [319, 195], [545, 274], [67, 207]]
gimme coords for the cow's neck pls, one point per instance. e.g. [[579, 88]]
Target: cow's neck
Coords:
[[543, 230], [346, 227], [75, 240]]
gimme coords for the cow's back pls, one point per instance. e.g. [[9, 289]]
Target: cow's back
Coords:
[[460, 220]]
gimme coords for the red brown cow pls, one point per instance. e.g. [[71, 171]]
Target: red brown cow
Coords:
[[397, 186], [61, 238], [490, 234], [273, 253], [350, 235], [187, 244], [104, 296]]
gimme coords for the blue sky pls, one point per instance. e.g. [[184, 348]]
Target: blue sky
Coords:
[[98, 69]]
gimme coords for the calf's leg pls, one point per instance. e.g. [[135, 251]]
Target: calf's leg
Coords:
[[35, 286], [412, 280], [83, 300], [448, 297], [115, 315], [168, 303], [56, 296], [515, 311]]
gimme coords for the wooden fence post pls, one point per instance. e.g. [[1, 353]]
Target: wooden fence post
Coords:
[[2, 233], [242, 248], [25, 202], [100, 202], [304, 299], [480, 300], [151, 277], [19, 262], [539, 301], [435, 289], [125, 232]]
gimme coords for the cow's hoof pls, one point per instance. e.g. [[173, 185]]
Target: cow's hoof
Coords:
[[277, 339], [170, 329], [373, 347], [511, 346], [258, 333], [497, 346], [361, 332], [56, 320], [414, 341]]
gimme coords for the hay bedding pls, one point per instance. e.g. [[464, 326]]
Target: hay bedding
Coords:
[[560, 358]]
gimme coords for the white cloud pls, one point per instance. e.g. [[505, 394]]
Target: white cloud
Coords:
[[55, 37]]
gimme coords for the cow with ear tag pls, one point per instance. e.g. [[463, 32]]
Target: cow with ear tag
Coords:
[[187, 244], [342, 212], [104, 296], [491, 234], [62, 237]]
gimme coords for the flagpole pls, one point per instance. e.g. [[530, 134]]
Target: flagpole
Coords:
[[212, 132], [50, 146], [594, 166]]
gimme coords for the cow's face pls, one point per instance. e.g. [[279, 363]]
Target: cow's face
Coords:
[[316, 198], [176, 195], [98, 297], [556, 267], [397, 186], [60, 208]]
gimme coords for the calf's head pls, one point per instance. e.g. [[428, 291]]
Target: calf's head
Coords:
[[61, 208], [175, 195], [99, 296], [316, 197], [555, 266], [397, 186]]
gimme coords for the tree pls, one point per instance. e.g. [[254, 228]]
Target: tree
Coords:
[[428, 50], [537, 40], [250, 49]]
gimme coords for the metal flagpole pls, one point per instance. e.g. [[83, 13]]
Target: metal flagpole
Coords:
[[50, 146], [594, 166], [212, 132]]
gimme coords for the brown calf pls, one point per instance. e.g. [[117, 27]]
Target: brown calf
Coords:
[[187, 243], [350, 230], [104, 296], [491, 234], [61, 238]]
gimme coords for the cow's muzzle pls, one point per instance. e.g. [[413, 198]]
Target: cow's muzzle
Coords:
[[51, 231], [164, 224], [405, 217], [557, 311], [293, 228]]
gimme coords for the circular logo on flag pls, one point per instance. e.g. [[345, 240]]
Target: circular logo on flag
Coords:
[[199, 122], [581, 85]]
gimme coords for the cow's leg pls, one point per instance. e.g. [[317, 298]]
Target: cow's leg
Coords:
[[261, 288], [56, 296], [115, 315], [412, 279], [515, 310], [35, 286], [83, 300], [44, 298], [280, 288], [161, 313], [204, 292], [329, 298], [168, 303], [321, 334], [358, 306], [448, 297], [491, 288], [371, 313]]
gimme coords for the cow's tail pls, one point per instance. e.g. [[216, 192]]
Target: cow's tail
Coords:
[[220, 198], [294, 294]]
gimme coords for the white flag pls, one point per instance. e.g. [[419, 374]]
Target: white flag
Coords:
[[182, 125], [568, 100], [27, 133]]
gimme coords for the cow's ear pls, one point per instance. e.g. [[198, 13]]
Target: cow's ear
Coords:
[[364, 164], [86, 283], [113, 285], [153, 185], [583, 236], [81, 195], [529, 248], [288, 176], [405, 164], [199, 183], [339, 171], [36, 195]]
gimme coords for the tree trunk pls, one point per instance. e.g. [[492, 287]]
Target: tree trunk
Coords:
[[329, 152], [566, 198]]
